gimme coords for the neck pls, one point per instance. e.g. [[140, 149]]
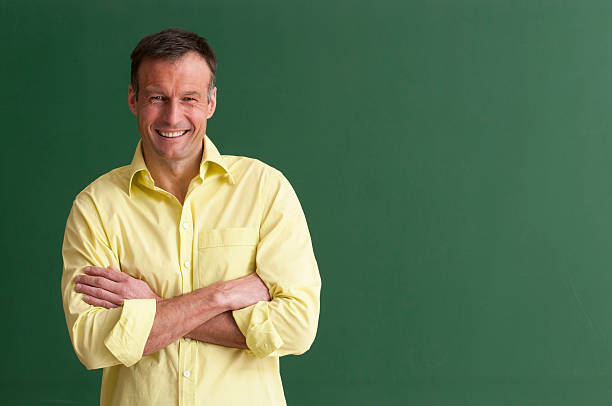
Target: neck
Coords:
[[174, 176]]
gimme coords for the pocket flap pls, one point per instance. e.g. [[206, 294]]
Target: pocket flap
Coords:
[[222, 237]]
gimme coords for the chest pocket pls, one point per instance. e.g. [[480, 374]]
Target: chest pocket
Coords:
[[225, 254]]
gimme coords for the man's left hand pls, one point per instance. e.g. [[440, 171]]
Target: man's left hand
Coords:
[[108, 287]]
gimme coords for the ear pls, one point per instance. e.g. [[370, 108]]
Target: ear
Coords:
[[212, 104], [132, 99]]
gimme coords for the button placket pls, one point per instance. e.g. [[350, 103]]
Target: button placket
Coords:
[[186, 248], [185, 258]]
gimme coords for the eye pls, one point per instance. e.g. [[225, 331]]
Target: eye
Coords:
[[156, 99], [189, 99]]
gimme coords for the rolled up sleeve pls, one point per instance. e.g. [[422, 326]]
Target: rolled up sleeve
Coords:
[[100, 337], [286, 263], [128, 337]]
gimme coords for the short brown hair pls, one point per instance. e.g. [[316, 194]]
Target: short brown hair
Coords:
[[171, 44]]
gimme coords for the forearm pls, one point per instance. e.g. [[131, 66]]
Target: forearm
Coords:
[[221, 330], [178, 316]]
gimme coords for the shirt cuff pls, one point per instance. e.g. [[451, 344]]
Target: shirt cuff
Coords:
[[127, 339], [255, 324]]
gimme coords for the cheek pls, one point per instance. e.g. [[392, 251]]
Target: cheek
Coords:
[[197, 120], [147, 116]]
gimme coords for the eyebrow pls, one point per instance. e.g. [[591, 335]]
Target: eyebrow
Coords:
[[192, 93]]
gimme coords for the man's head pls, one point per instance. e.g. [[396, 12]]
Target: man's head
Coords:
[[172, 95], [172, 44]]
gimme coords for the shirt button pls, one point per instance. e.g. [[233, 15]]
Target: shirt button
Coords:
[[185, 225], [188, 339], [186, 374], [187, 264]]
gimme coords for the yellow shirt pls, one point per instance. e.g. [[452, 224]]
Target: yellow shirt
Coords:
[[239, 216]]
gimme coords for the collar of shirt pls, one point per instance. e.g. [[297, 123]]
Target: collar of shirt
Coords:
[[211, 155]]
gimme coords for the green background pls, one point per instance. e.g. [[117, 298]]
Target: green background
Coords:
[[452, 159]]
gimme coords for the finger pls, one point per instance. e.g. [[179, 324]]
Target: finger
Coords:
[[98, 282], [99, 302], [117, 275], [99, 294], [108, 273]]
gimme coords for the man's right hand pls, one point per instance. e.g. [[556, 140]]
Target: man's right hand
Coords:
[[243, 292]]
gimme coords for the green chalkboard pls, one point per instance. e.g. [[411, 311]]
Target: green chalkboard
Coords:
[[453, 159]]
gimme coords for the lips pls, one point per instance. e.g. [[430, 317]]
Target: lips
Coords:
[[171, 133]]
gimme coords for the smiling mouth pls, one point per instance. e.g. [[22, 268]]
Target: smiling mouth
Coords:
[[171, 134]]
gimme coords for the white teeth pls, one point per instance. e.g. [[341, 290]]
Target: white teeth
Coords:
[[171, 134]]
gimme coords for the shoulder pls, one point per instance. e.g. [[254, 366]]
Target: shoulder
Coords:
[[269, 182], [245, 169], [110, 186]]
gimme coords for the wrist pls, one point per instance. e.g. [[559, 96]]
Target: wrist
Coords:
[[220, 296]]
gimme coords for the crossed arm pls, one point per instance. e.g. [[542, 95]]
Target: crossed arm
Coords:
[[204, 314]]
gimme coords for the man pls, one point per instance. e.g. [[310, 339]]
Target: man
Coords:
[[187, 273]]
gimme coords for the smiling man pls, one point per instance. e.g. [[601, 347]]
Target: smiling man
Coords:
[[187, 273]]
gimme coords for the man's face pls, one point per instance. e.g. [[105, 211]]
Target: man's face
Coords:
[[172, 108]]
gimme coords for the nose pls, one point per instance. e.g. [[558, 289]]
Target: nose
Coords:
[[172, 113]]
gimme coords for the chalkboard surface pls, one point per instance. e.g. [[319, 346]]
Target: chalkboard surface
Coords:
[[453, 159]]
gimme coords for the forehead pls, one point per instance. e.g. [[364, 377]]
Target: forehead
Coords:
[[189, 72]]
